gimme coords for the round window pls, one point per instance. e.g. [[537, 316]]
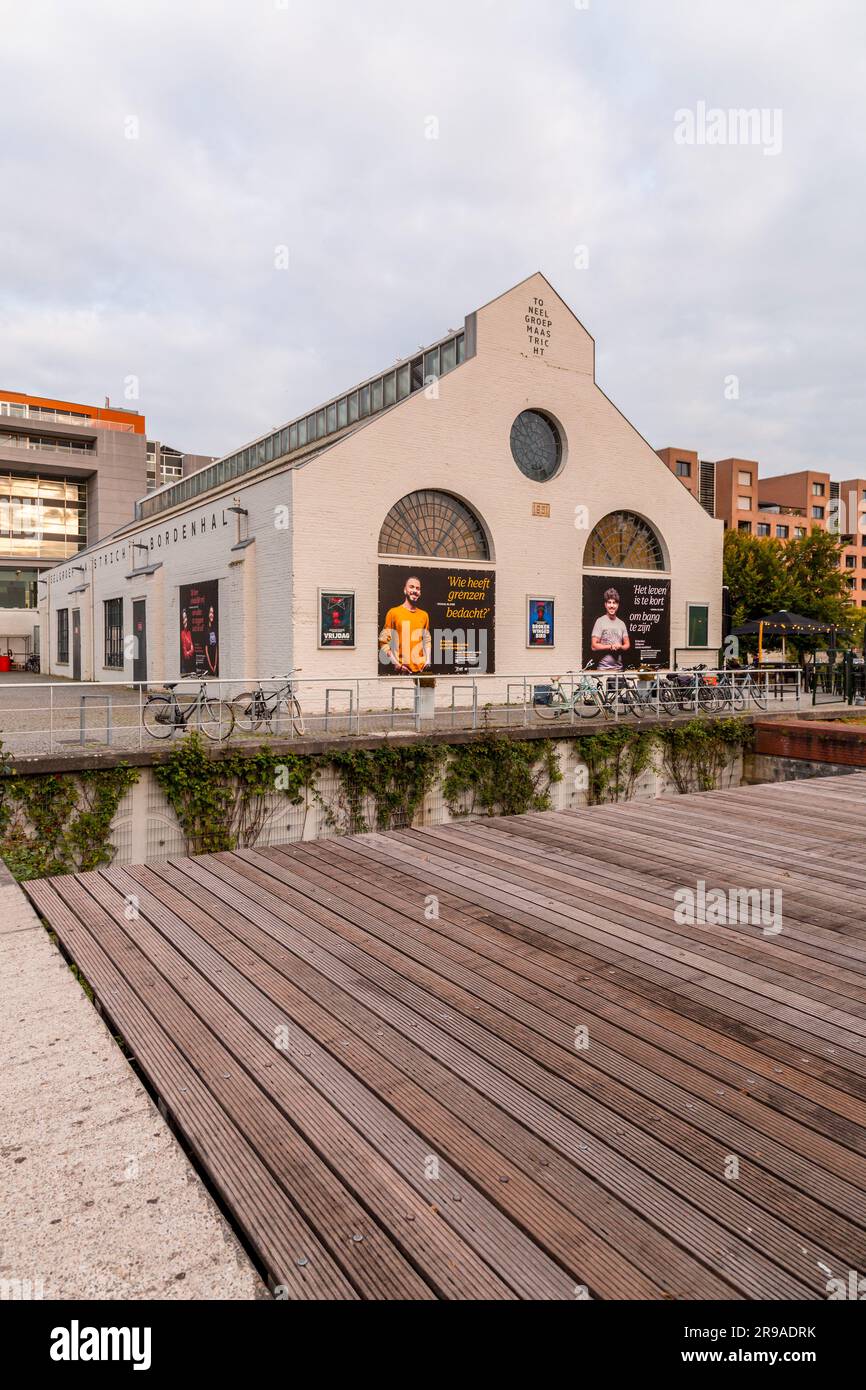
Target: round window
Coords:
[[536, 445]]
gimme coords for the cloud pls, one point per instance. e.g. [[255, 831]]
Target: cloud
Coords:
[[261, 126]]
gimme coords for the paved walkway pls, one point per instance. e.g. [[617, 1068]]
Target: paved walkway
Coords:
[[97, 1200]]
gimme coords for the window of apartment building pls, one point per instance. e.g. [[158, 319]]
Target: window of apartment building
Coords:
[[782, 532], [18, 588], [684, 468], [852, 581], [63, 634], [113, 608], [744, 478], [744, 504], [744, 526], [799, 532], [818, 513], [818, 489], [850, 562], [698, 624], [42, 518], [763, 528]]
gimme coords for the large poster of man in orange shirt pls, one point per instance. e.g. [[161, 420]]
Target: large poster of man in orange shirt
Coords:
[[436, 621], [404, 639]]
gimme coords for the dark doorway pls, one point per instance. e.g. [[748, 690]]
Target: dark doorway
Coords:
[[76, 644], [139, 632]]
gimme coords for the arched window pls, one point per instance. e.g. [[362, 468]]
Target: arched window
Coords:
[[622, 540], [434, 524]]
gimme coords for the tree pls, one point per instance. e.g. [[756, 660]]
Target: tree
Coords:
[[817, 586], [755, 575], [803, 576]]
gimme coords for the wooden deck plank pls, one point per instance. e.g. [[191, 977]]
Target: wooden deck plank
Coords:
[[531, 955], [622, 1157], [607, 948], [286, 1244], [411, 1038], [555, 1228], [328, 1074], [605, 938]]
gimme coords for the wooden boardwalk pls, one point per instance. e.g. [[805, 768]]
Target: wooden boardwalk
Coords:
[[484, 1061]]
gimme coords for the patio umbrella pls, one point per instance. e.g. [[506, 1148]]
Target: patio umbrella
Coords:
[[782, 624]]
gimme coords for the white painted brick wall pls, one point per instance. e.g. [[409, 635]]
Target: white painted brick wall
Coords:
[[338, 501]]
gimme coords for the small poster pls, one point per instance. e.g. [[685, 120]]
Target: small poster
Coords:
[[539, 620], [336, 618]]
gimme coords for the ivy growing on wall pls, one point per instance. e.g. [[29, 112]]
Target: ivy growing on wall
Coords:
[[615, 759], [500, 776], [221, 802], [396, 780], [695, 754], [59, 823]]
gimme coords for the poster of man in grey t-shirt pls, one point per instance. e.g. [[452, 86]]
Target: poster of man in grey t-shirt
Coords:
[[610, 635]]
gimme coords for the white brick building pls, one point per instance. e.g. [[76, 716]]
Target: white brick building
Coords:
[[530, 477]]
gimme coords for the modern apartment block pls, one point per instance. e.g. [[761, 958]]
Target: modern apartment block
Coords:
[[166, 464], [850, 498], [70, 474], [785, 507], [686, 466]]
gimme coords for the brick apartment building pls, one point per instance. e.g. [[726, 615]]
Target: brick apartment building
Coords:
[[785, 507], [70, 474]]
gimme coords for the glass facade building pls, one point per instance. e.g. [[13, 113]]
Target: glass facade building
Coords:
[[42, 518]]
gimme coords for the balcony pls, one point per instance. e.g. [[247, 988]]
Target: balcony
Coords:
[[14, 410], [45, 443]]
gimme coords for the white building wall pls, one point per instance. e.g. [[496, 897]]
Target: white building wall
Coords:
[[316, 525], [460, 443]]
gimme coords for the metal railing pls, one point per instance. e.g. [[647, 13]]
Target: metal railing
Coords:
[[44, 717]]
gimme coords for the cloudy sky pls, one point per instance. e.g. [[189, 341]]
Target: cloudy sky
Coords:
[[157, 154]]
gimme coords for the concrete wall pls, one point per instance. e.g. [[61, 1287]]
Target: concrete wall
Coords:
[[146, 828]]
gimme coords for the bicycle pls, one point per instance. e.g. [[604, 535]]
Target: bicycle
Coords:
[[731, 693], [253, 708], [588, 696], [163, 714], [694, 688], [753, 690], [659, 694]]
